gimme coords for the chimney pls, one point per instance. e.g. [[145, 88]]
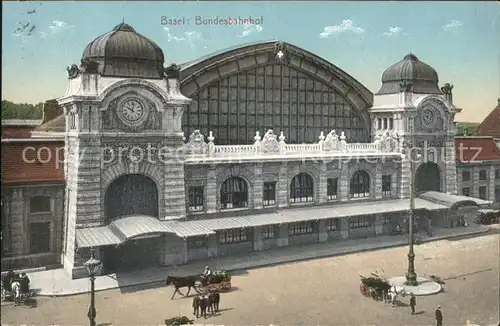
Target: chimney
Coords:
[[51, 110]]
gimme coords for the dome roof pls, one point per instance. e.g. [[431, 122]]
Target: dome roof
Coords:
[[123, 52], [423, 77]]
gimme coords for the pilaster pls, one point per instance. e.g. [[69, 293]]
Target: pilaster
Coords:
[[475, 181], [322, 232], [174, 193], [283, 186], [344, 182], [378, 180], [405, 178], [344, 227], [258, 243], [379, 224], [212, 246], [323, 183], [258, 186], [17, 210], [450, 166], [211, 191], [283, 235], [492, 181]]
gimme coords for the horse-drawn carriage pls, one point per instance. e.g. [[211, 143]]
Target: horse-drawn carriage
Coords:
[[374, 287], [217, 281], [214, 281], [15, 288]]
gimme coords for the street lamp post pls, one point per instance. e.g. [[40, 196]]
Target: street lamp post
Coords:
[[93, 266], [411, 275]]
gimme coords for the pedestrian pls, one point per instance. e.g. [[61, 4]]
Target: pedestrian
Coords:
[[413, 303], [439, 316]]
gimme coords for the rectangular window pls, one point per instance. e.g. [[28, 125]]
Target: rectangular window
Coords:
[[270, 232], [39, 235], [233, 236], [299, 228], [332, 188], [386, 185], [497, 174], [465, 176], [40, 204], [269, 198], [482, 192], [466, 191], [391, 123], [483, 175], [196, 195], [333, 224], [387, 219], [197, 242], [497, 194], [360, 222]]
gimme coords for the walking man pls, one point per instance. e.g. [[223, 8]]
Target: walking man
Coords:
[[413, 303], [439, 316]]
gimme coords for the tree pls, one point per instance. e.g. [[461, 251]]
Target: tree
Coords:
[[12, 110]]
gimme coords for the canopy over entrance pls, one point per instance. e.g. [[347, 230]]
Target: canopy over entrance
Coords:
[[121, 230], [452, 201]]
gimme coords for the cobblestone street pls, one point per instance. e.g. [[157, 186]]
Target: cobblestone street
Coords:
[[322, 291]]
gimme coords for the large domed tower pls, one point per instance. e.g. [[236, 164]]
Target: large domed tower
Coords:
[[123, 114], [411, 106]]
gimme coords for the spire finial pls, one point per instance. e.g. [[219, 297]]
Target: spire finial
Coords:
[[123, 20]]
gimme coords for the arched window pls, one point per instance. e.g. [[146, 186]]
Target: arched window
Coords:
[[360, 184], [234, 193], [302, 188], [483, 175]]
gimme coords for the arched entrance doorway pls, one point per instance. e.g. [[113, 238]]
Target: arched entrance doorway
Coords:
[[428, 177], [129, 195]]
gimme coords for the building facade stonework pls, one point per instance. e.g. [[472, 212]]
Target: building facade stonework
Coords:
[[243, 151]]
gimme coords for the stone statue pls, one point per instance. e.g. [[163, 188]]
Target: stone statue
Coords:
[[280, 52], [90, 66], [446, 89], [405, 86], [73, 71], [269, 142], [196, 143], [331, 141], [172, 71]]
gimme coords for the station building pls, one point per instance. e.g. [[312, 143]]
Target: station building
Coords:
[[257, 147]]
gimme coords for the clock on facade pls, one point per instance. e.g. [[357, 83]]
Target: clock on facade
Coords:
[[428, 117], [132, 112]]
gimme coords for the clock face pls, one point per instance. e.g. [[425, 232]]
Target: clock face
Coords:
[[428, 117], [132, 111]]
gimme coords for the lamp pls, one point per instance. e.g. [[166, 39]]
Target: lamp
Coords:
[[93, 266]]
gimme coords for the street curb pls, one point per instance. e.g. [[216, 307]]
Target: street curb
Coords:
[[293, 260]]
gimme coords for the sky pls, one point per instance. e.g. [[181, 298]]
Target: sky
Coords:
[[461, 40]]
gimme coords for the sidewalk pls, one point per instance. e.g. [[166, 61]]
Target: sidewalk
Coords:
[[57, 283]]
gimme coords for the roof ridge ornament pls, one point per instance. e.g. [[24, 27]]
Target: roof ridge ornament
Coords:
[[280, 52], [73, 71]]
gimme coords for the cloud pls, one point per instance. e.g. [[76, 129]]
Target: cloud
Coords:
[[453, 25], [393, 31], [192, 38], [28, 30], [59, 25], [249, 29], [347, 26]]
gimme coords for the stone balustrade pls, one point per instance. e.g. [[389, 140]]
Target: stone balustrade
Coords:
[[272, 144]]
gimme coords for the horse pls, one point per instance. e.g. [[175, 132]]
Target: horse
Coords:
[[215, 300], [182, 282], [394, 292], [204, 305], [16, 292], [196, 306]]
